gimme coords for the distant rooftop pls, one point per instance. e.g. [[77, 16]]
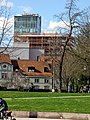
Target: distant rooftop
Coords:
[[26, 14]]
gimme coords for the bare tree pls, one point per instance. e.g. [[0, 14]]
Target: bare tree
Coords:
[[5, 26], [55, 50], [62, 49], [72, 21]]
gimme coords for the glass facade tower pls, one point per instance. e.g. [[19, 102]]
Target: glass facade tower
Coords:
[[26, 24]]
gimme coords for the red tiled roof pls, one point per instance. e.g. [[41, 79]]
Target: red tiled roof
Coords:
[[39, 66], [38, 74], [45, 58], [5, 58]]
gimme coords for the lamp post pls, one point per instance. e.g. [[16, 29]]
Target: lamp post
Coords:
[[53, 82], [86, 74], [85, 68]]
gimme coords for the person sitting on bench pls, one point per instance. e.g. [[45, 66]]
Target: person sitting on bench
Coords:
[[4, 106]]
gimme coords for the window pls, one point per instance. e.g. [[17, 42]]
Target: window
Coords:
[[46, 81], [31, 69], [36, 80], [16, 70], [4, 66], [4, 75], [46, 69]]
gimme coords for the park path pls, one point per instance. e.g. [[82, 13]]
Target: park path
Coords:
[[61, 97]]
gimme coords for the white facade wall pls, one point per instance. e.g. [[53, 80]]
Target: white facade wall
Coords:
[[21, 51], [18, 51]]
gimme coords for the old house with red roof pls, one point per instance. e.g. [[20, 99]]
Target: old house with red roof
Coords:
[[26, 74], [6, 68], [36, 73]]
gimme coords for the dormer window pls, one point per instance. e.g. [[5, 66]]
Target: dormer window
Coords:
[[16, 70], [31, 69], [46, 69]]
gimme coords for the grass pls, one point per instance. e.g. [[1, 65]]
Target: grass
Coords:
[[47, 101]]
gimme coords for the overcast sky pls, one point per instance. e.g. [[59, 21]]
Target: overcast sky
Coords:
[[45, 8]]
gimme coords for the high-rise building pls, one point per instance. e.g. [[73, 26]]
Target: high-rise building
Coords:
[[27, 24]]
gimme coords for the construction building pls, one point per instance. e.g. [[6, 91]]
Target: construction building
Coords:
[[40, 45]]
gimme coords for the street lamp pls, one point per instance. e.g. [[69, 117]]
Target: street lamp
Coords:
[[85, 68], [53, 90]]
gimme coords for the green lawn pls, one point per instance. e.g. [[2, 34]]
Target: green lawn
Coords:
[[47, 101]]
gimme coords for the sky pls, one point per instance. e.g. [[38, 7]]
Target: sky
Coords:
[[45, 8]]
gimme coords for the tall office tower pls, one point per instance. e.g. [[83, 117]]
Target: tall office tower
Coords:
[[27, 24]]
